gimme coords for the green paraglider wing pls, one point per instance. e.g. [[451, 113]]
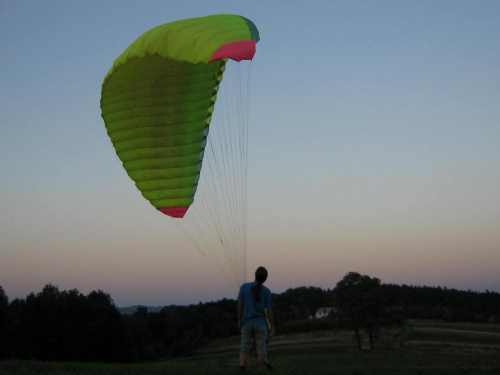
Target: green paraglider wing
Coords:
[[157, 102]]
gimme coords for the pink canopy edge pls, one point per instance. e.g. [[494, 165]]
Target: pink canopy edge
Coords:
[[174, 211], [237, 51]]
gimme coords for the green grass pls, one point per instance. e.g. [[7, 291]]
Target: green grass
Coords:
[[480, 327], [430, 348], [52, 368], [455, 333]]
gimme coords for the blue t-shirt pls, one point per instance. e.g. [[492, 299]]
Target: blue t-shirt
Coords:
[[254, 312]]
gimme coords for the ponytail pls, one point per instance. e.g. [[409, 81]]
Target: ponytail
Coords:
[[260, 278]]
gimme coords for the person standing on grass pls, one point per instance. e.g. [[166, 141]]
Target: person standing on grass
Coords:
[[254, 313]]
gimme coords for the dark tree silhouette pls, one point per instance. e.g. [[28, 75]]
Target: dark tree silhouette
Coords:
[[4, 305], [359, 297], [69, 326], [56, 326]]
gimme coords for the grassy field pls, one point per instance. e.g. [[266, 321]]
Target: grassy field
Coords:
[[422, 347]]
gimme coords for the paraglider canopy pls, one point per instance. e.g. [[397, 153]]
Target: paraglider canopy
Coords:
[[158, 98]]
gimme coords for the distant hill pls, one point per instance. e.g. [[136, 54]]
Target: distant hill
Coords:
[[132, 309]]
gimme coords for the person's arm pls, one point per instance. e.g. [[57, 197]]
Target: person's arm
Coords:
[[240, 313], [270, 319]]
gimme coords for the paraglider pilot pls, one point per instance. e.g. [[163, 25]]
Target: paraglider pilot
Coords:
[[254, 314]]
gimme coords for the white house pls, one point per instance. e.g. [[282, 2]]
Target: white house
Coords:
[[323, 312]]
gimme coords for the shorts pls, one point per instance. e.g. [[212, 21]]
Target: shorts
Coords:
[[260, 334]]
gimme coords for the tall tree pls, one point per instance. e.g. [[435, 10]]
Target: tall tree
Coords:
[[359, 297]]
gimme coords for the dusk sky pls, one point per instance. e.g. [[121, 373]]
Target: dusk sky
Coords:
[[374, 147]]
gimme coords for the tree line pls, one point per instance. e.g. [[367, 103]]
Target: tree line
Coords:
[[70, 326]]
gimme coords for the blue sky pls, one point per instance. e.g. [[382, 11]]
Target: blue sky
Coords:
[[374, 133]]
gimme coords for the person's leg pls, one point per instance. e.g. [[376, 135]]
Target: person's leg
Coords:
[[260, 343], [251, 353], [261, 361], [246, 342], [244, 359]]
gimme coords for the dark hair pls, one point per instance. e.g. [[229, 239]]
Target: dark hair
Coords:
[[260, 278], [261, 275]]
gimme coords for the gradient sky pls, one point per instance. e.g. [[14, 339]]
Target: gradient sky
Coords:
[[374, 147]]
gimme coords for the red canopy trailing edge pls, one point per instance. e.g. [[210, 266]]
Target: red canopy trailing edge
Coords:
[[174, 211], [241, 50]]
